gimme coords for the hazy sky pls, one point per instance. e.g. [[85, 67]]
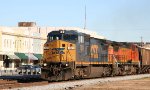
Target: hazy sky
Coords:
[[119, 20]]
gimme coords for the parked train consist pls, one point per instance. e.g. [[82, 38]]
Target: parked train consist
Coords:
[[70, 54]]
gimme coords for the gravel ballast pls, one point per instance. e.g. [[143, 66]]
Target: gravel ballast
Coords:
[[78, 83]]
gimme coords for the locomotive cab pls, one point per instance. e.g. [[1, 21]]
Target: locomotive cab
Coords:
[[60, 47], [59, 53]]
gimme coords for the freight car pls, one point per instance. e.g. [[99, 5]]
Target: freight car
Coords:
[[70, 54], [145, 60]]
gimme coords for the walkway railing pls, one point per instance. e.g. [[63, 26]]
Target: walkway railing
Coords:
[[14, 72]]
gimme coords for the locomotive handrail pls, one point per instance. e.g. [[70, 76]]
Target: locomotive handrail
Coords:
[[116, 62]]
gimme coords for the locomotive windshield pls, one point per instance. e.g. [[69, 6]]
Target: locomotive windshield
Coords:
[[56, 35], [70, 37]]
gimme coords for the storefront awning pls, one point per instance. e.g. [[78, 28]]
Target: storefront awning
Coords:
[[22, 56], [39, 56], [13, 56], [31, 56]]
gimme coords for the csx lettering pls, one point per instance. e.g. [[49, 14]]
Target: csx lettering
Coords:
[[57, 52]]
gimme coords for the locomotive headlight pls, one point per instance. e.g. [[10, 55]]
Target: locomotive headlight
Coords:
[[67, 65], [45, 64], [61, 31]]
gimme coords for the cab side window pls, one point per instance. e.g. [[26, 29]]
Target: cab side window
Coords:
[[81, 39]]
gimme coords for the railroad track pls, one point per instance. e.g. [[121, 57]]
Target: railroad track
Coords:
[[10, 84], [67, 85]]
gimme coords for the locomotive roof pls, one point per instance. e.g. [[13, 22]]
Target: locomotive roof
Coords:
[[78, 32], [73, 32]]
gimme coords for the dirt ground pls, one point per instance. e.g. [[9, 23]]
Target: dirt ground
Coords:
[[140, 84]]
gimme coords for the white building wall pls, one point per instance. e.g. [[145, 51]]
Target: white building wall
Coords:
[[8, 44], [32, 39]]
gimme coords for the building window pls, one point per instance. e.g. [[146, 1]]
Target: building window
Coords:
[[15, 44], [7, 43], [10, 43], [39, 30], [20, 43], [25, 44]]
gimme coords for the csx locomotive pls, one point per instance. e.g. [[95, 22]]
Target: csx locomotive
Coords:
[[71, 54]]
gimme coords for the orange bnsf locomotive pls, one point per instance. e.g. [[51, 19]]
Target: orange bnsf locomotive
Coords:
[[70, 54]]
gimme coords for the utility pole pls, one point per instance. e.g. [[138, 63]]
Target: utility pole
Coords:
[[29, 29], [141, 41], [85, 18]]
